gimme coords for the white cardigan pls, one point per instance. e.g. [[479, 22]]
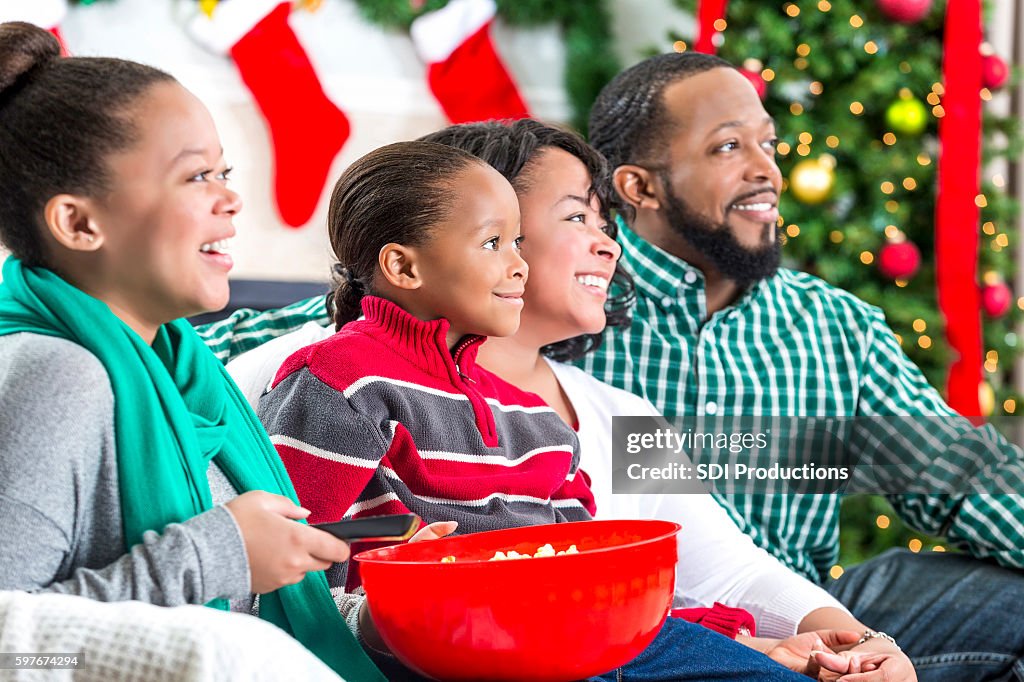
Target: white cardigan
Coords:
[[717, 561]]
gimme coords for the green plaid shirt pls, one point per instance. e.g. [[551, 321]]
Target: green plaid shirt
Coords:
[[790, 346], [246, 328], [794, 345]]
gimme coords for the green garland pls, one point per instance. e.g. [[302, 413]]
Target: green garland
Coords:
[[586, 27]]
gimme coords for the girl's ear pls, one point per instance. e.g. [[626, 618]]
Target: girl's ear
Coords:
[[69, 221], [399, 266], [637, 186]]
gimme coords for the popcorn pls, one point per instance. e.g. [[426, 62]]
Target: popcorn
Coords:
[[546, 550]]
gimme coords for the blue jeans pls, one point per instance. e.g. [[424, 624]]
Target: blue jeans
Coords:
[[681, 651], [684, 651], [958, 618]]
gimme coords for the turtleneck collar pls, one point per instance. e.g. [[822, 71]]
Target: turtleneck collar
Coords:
[[422, 341]]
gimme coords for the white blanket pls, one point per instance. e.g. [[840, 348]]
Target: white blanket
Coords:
[[129, 641]]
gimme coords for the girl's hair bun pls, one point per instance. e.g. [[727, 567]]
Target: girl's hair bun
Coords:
[[23, 47]]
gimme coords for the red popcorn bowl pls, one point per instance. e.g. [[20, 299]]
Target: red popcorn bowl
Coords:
[[554, 618]]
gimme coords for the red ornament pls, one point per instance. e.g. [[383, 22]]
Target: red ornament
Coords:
[[905, 11], [752, 69], [994, 72], [996, 297], [899, 259], [757, 81]]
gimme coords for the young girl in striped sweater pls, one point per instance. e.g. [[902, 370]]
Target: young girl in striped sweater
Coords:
[[392, 413]]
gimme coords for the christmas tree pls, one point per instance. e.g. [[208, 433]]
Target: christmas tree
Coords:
[[856, 97]]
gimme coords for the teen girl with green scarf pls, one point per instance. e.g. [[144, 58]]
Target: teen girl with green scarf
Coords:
[[130, 465]]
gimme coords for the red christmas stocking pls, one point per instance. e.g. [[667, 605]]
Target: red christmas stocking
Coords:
[[465, 72], [43, 13], [306, 128]]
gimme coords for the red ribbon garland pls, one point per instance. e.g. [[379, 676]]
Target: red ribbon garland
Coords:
[[708, 12], [956, 214]]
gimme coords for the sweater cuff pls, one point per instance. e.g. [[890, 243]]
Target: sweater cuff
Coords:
[[221, 551], [725, 620], [783, 614]]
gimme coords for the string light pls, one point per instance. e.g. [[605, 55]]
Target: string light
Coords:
[[901, 283], [679, 46], [899, 338], [924, 341], [980, 201], [836, 572], [887, 187], [905, 67], [856, 108], [1020, 302], [768, 75], [781, 221], [835, 236], [986, 95], [856, 21], [803, 149], [783, 148], [1009, 406], [938, 111], [805, 137], [938, 548], [871, 47], [889, 139], [938, 89], [989, 228], [800, 63], [920, 325], [824, 5], [891, 231], [892, 206], [792, 10], [793, 231], [932, 99], [923, 159], [909, 184], [882, 521], [803, 49], [867, 258], [992, 356], [796, 108], [720, 25], [816, 88], [915, 545], [1002, 240], [832, 141]]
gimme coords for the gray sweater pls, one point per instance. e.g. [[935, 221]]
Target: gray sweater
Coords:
[[60, 510]]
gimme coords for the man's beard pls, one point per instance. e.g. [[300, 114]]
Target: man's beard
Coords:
[[718, 244]]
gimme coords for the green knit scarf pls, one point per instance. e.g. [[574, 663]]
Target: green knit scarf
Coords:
[[175, 409]]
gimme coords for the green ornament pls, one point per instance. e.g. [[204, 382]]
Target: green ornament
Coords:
[[907, 115]]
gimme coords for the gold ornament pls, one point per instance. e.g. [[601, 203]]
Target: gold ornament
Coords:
[[208, 6], [811, 180], [986, 399]]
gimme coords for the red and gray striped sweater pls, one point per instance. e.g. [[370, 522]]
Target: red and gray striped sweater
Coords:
[[381, 418]]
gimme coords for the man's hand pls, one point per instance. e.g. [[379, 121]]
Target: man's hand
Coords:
[[859, 665], [798, 653]]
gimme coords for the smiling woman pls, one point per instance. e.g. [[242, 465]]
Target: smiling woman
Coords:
[[160, 484]]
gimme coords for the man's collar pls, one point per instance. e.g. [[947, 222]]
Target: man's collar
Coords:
[[656, 272], [660, 275]]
